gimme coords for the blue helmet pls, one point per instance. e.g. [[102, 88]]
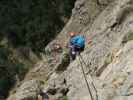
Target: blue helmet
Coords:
[[78, 41]]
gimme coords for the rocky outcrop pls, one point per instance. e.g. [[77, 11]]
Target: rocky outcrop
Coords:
[[107, 62], [27, 91], [102, 58]]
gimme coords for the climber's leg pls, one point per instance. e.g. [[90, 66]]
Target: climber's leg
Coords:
[[72, 53]]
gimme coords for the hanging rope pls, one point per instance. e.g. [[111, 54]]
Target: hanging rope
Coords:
[[91, 79], [89, 89]]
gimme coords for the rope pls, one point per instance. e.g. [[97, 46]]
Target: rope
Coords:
[[89, 89], [86, 79]]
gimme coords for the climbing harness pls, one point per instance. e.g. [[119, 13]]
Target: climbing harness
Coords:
[[85, 77]]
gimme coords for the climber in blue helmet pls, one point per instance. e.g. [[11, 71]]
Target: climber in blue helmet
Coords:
[[76, 44]]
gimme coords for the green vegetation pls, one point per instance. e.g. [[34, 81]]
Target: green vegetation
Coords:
[[27, 23], [64, 98], [33, 23], [4, 86], [9, 68], [128, 37]]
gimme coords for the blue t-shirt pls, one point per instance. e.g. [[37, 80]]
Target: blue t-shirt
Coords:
[[78, 40]]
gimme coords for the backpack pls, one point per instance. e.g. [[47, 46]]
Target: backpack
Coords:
[[78, 41]]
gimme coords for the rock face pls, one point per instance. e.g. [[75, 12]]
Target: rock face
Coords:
[[108, 60], [27, 91]]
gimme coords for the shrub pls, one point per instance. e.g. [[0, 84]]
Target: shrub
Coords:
[[64, 98], [128, 37]]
